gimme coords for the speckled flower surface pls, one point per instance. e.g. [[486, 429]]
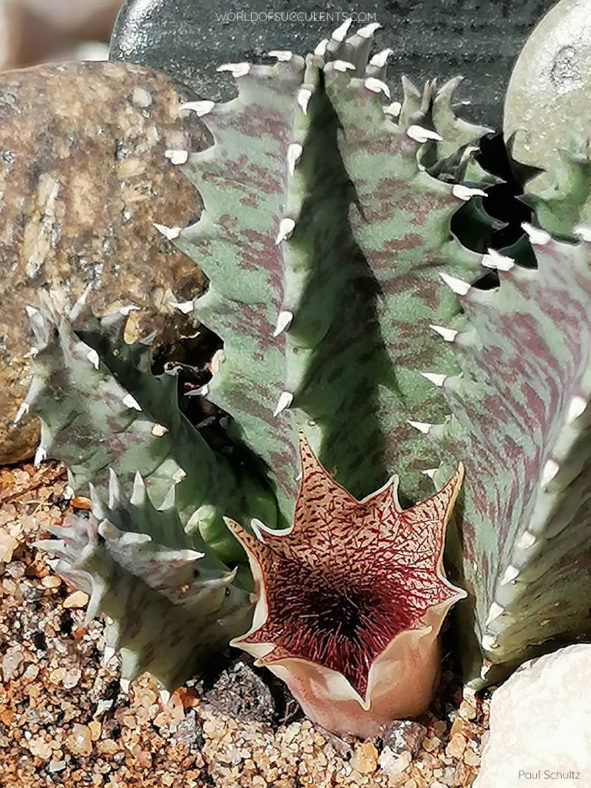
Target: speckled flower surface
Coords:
[[351, 598]]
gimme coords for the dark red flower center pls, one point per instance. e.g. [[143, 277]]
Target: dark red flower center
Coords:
[[342, 623]]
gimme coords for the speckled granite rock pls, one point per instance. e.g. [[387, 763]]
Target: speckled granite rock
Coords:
[[240, 692], [83, 177], [189, 38], [540, 724], [548, 95]]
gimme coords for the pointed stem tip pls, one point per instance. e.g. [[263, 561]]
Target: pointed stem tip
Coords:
[[537, 236], [286, 228], [171, 233], [283, 322], [200, 108], [177, 156], [457, 285], [576, 408], [380, 59], [369, 30], [340, 33], [434, 377], [294, 154], [282, 55], [23, 409], [393, 109], [465, 193], [342, 65], [549, 471], [377, 86], [284, 401], [421, 426], [236, 69], [449, 334], [321, 47], [93, 357], [497, 261], [420, 134], [303, 99]]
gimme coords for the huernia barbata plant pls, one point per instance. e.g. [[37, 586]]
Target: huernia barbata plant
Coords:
[[353, 327]]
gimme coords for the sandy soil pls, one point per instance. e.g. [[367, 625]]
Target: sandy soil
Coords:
[[66, 720]]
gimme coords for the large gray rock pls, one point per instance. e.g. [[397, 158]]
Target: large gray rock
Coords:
[[83, 178], [548, 98], [540, 724], [430, 38]]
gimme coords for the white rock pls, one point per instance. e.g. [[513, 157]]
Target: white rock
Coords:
[[393, 764], [540, 724]]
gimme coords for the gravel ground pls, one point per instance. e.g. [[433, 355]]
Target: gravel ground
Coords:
[[66, 719]]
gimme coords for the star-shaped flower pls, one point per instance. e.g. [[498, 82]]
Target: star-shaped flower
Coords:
[[350, 600]]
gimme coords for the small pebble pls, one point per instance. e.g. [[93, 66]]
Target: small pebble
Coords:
[[467, 710], [95, 728], [394, 764], [15, 569], [440, 728], [431, 744], [459, 726], [141, 97], [102, 706], [456, 746], [11, 661], [50, 581], [471, 758], [187, 731], [57, 676], [79, 742], [71, 677], [365, 758], [80, 502], [144, 759], [39, 747], [8, 545], [404, 735], [31, 672], [76, 600]]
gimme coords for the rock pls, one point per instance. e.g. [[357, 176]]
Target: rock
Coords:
[[456, 746], [540, 720], [83, 177], [71, 677], [404, 736], [548, 95], [41, 748], [79, 742], [188, 732], [392, 764], [364, 758], [76, 599], [188, 39], [8, 545], [11, 662], [242, 694]]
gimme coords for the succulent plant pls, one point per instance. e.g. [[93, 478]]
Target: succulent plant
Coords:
[[520, 423], [350, 314]]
